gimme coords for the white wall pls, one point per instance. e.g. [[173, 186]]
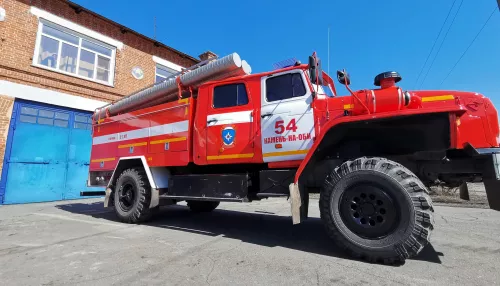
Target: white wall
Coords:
[[37, 94]]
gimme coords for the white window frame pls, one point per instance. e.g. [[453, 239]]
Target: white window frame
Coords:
[[264, 87], [81, 37], [162, 76], [166, 63]]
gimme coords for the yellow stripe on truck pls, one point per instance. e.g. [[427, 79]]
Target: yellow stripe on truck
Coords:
[[103, 160], [167, 140], [231, 156], [438, 98], [348, 106], [133, 145], [285, 153]]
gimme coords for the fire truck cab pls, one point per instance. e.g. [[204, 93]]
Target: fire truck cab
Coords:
[[371, 154], [261, 118]]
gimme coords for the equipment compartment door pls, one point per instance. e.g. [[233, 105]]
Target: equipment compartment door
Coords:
[[287, 119], [229, 125]]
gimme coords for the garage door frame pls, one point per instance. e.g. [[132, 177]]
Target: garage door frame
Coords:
[[8, 149]]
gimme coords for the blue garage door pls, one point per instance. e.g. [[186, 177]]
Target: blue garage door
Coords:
[[47, 154]]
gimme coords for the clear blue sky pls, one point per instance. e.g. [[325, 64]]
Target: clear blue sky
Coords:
[[366, 37]]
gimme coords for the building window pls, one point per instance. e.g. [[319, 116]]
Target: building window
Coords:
[[83, 122], [162, 72], [284, 87], [44, 117], [68, 52], [230, 95]]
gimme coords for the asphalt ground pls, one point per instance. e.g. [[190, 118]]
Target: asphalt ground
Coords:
[[81, 243]]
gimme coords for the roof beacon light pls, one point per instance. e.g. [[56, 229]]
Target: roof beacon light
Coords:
[[285, 63]]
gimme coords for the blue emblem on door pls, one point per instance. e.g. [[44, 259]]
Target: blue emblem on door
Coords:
[[228, 135]]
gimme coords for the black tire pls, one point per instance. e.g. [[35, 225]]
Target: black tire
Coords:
[[352, 208], [132, 197], [202, 206]]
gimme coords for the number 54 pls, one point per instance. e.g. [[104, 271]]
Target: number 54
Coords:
[[279, 126]]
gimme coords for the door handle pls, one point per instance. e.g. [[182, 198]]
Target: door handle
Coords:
[[266, 115], [212, 121]]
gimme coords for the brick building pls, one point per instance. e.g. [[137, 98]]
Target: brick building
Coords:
[[58, 62]]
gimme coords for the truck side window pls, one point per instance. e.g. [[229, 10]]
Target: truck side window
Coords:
[[284, 87], [230, 95]]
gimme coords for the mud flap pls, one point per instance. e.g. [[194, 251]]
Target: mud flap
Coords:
[[107, 197], [155, 198], [492, 187], [464, 191], [295, 202], [299, 201]]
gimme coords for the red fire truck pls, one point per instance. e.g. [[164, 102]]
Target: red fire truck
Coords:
[[215, 133]]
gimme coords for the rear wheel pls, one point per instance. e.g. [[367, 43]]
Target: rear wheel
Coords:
[[202, 206], [377, 210], [132, 196]]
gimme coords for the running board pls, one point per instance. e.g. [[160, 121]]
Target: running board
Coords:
[[212, 199], [92, 193]]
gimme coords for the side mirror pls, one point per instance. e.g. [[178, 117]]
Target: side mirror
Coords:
[[312, 69], [315, 70], [343, 77]]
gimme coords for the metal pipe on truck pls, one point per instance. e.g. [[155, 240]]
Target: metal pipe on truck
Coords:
[[245, 69], [204, 73]]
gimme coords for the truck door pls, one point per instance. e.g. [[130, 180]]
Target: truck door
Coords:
[[287, 119], [230, 124]]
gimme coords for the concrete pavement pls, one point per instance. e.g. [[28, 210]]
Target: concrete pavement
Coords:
[[79, 242]]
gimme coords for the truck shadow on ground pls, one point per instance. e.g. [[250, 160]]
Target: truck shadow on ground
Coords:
[[260, 228]]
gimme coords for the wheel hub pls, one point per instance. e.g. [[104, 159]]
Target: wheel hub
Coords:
[[126, 196], [368, 211]]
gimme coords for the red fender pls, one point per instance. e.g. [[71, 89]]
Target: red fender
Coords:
[[367, 117]]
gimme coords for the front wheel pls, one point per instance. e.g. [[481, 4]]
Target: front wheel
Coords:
[[377, 210], [132, 196]]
